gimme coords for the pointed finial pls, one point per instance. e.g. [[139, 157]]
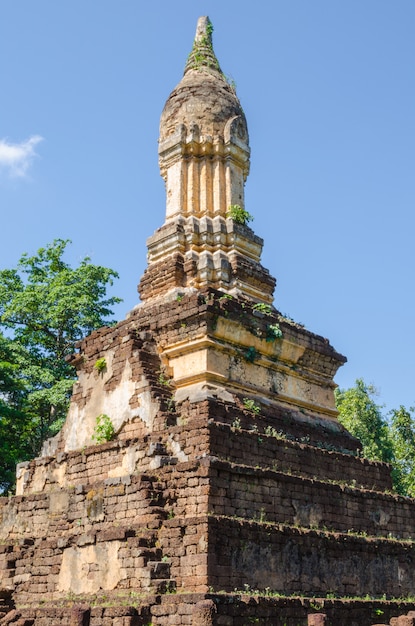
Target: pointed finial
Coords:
[[204, 30], [202, 55]]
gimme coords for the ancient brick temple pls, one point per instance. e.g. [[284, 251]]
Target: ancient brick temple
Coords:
[[230, 494]]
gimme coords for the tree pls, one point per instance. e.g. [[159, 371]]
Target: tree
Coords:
[[392, 441], [46, 307], [14, 438], [402, 431], [362, 417]]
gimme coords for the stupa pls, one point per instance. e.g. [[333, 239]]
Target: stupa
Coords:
[[229, 493]]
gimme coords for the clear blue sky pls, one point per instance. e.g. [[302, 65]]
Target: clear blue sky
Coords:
[[328, 87]]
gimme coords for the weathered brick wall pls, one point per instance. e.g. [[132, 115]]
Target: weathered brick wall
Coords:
[[167, 274], [78, 509], [172, 503], [157, 527], [285, 422], [193, 609], [254, 447], [293, 560], [119, 457], [248, 492], [45, 535]]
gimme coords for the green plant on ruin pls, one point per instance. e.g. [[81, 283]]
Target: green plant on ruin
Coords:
[[163, 380], [202, 51], [270, 431], [170, 588], [104, 429], [273, 332], [231, 82], [250, 405], [250, 354], [100, 364], [238, 214], [236, 423], [262, 307], [171, 405]]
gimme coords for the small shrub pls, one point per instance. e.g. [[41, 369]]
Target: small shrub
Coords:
[[238, 214], [262, 307], [273, 332], [104, 429], [250, 354], [261, 516], [163, 380], [251, 406], [270, 431], [100, 364], [236, 423]]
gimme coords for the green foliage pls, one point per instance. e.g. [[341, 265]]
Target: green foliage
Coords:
[[250, 354], [362, 417], [238, 214], [45, 308], [273, 332], [402, 432], [100, 364], [47, 303], [270, 431], [390, 440], [14, 434], [251, 406], [104, 429], [202, 54], [163, 380], [262, 307], [236, 423]]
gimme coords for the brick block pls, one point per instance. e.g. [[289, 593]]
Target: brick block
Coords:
[[204, 612]]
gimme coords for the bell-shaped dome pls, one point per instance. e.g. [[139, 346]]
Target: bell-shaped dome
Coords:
[[203, 98]]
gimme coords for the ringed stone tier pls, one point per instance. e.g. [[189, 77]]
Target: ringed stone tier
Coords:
[[229, 494], [204, 160]]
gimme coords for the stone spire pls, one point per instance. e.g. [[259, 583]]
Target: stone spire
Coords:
[[204, 160], [202, 54], [203, 146]]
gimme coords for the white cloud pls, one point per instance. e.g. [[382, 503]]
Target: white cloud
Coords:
[[16, 158]]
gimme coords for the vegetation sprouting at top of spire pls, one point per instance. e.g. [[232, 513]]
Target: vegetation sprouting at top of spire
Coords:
[[202, 55]]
